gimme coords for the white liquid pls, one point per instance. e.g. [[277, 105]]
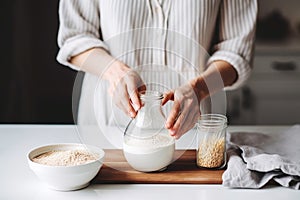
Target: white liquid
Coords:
[[149, 154]]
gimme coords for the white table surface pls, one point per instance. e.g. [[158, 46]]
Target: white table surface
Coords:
[[17, 181]]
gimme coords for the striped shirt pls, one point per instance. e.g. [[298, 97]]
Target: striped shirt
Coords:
[[167, 41]]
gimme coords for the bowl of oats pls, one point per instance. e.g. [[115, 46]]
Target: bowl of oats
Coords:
[[66, 166]]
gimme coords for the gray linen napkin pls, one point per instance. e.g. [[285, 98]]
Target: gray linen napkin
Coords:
[[257, 158]]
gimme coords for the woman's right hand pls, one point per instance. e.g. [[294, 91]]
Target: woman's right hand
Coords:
[[124, 87], [125, 83]]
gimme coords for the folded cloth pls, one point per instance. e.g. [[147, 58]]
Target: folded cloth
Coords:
[[257, 158]]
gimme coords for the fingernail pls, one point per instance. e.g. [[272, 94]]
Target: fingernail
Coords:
[[172, 132], [132, 114]]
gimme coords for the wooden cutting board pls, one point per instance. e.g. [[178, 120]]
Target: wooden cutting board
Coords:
[[183, 170]]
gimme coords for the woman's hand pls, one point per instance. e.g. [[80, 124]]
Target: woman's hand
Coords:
[[125, 85], [186, 108], [185, 111]]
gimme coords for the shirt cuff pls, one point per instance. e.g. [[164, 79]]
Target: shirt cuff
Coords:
[[239, 64], [75, 46]]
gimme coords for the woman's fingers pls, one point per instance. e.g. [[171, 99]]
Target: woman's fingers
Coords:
[[167, 96], [126, 93], [173, 115], [134, 85], [184, 123], [184, 111], [131, 87], [121, 98], [134, 97], [179, 122], [142, 88]]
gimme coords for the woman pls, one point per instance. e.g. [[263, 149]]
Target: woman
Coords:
[[123, 42]]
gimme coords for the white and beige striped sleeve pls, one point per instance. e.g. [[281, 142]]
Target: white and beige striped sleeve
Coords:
[[79, 29], [236, 37]]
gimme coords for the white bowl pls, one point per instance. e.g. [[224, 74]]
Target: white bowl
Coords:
[[65, 178]]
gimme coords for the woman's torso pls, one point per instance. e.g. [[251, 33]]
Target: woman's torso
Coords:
[[166, 41]]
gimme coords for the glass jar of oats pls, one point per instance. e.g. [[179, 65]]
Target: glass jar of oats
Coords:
[[211, 137]]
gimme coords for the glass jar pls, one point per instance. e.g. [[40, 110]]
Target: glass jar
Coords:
[[147, 145], [211, 137]]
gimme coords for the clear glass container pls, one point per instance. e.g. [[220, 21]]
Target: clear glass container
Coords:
[[211, 137], [147, 145]]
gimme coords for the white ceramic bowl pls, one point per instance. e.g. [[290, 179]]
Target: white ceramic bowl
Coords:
[[65, 178]]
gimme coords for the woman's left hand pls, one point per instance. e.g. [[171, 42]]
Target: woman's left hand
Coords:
[[185, 111]]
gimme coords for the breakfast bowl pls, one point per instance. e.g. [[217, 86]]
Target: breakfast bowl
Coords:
[[67, 166]]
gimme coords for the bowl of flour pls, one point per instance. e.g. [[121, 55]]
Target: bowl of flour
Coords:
[[66, 166]]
